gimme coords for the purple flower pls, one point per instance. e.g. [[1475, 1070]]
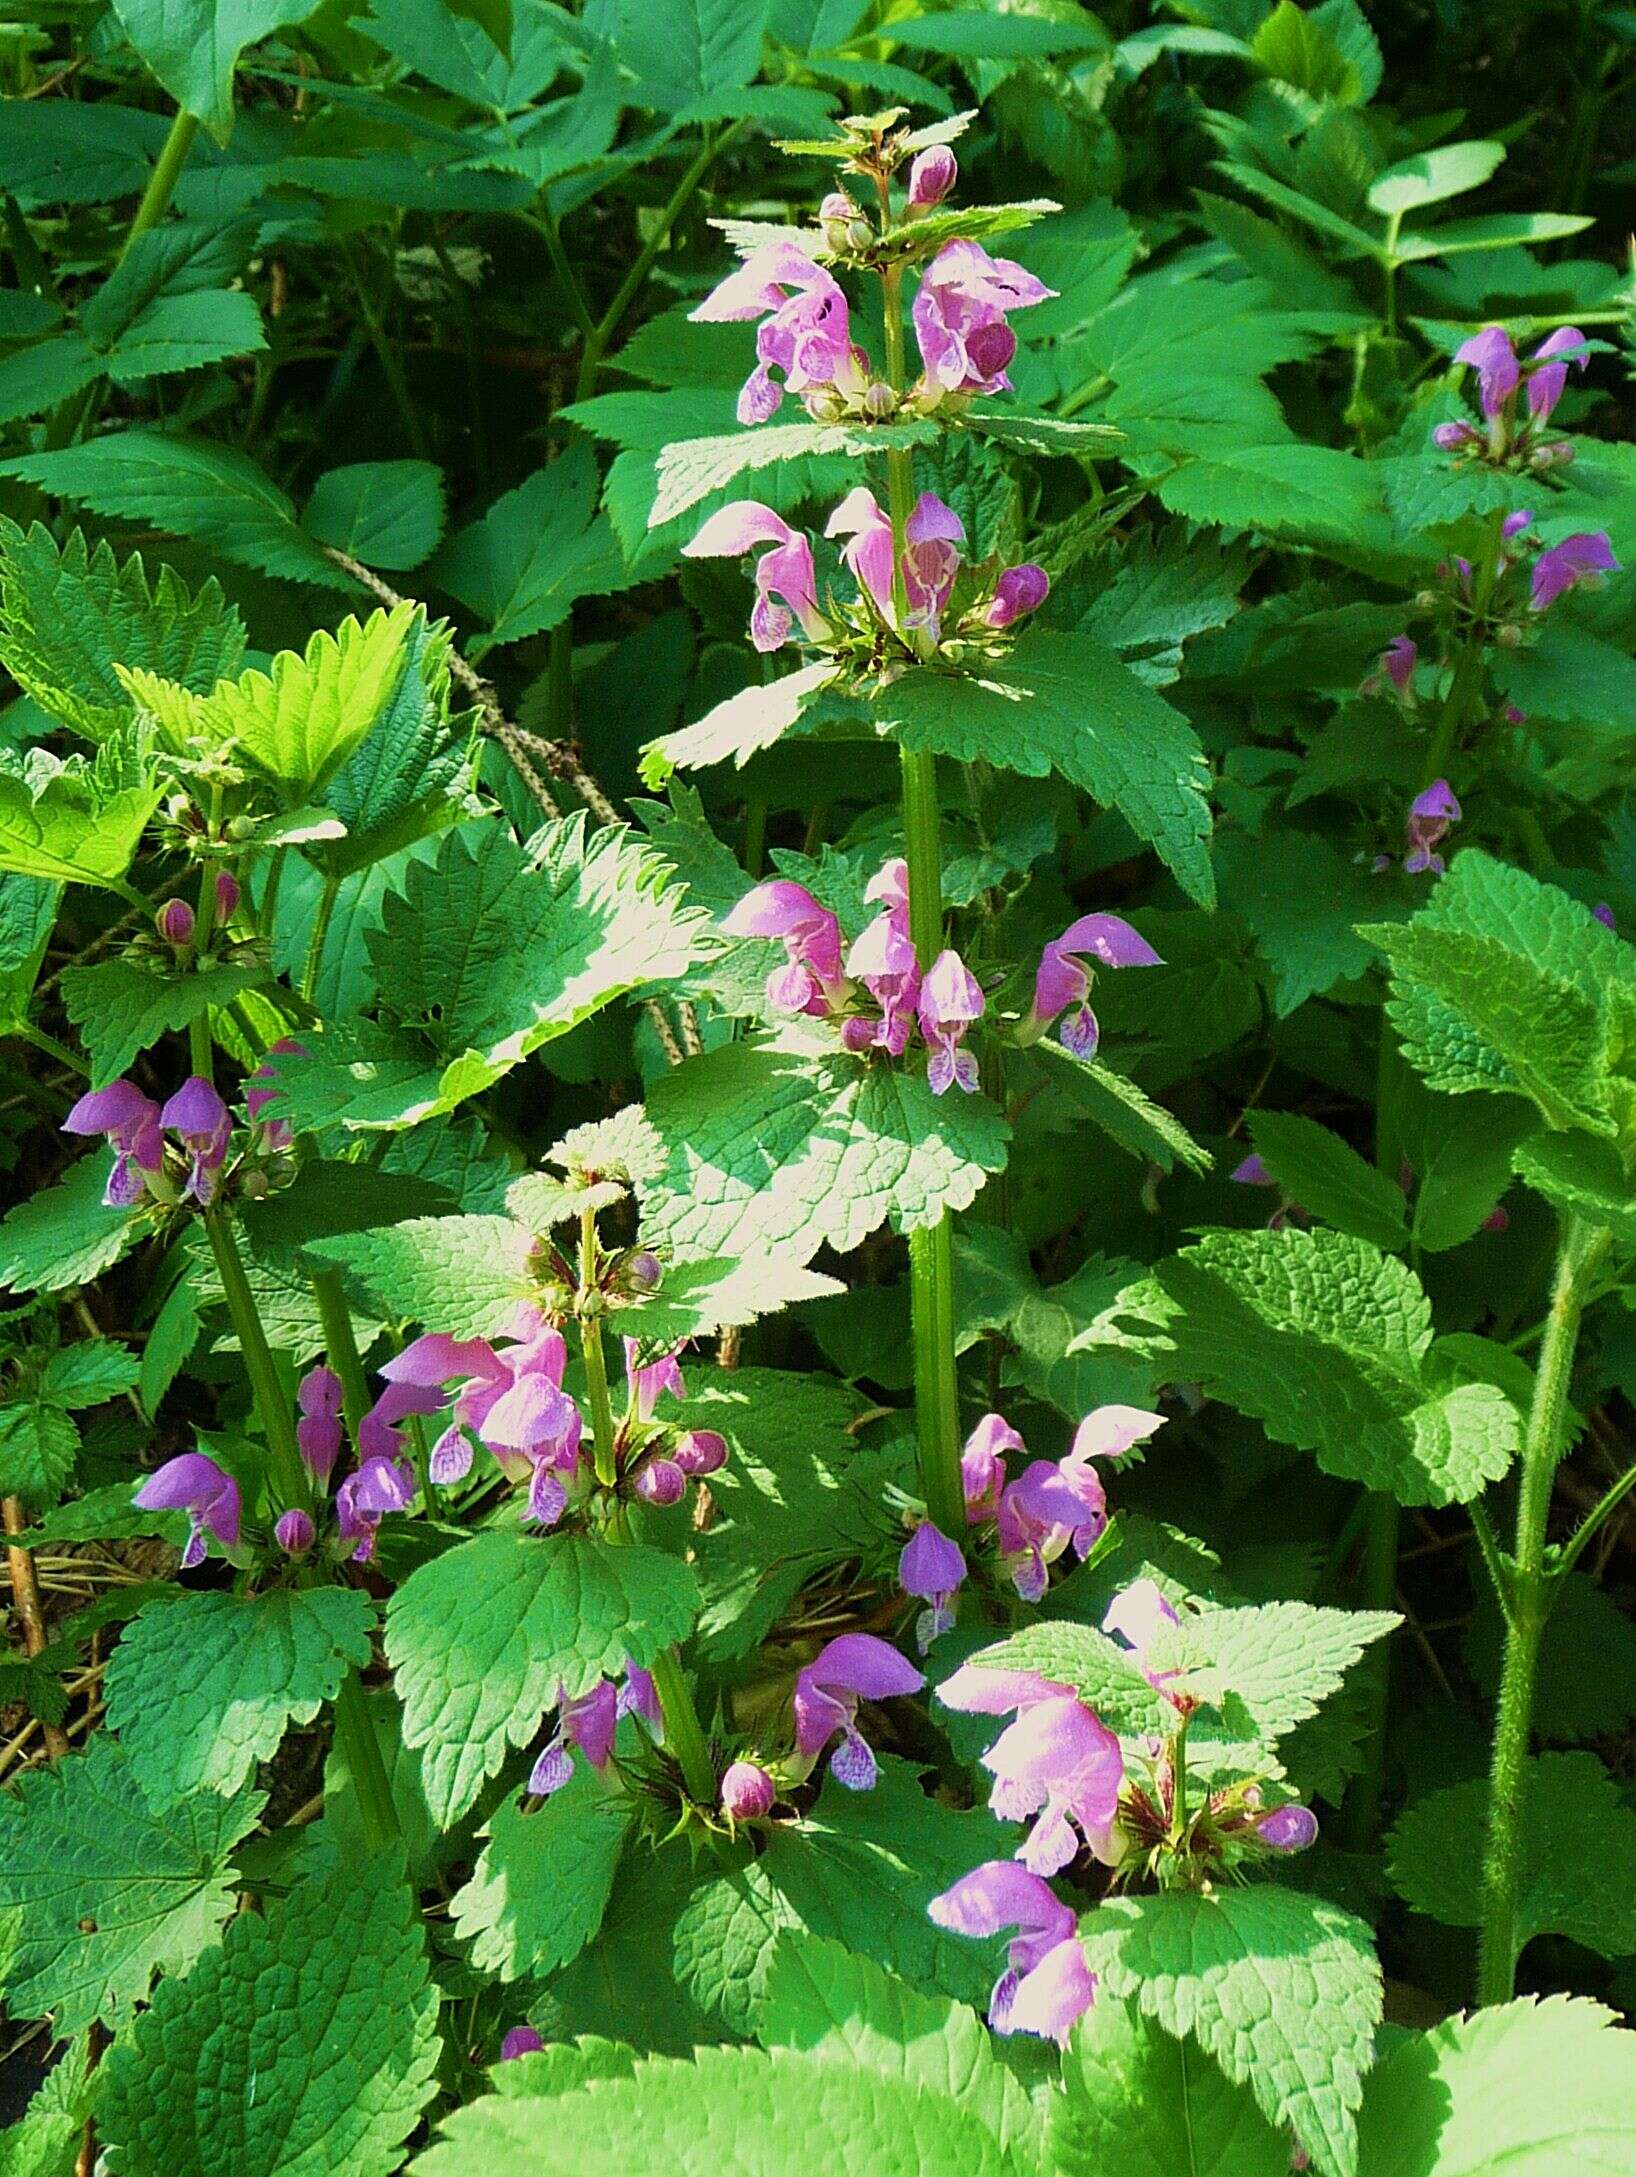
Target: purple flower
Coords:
[[174, 923], [1430, 815], [1549, 375], [931, 1568], [960, 317], [1514, 524], [202, 1121], [747, 1792], [932, 537], [318, 1426], [1288, 1829], [1047, 1986], [884, 960], [275, 1133], [853, 1667], [1585, 557], [130, 1121], [982, 1465], [380, 1485], [1065, 975], [1398, 660], [196, 1485], [1449, 437], [811, 979], [588, 1723], [661, 1482], [1604, 914], [228, 896], [639, 1696], [951, 998], [806, 333], [520, 2041], [1138, 1617], [786, 581], [1252, 1172], [647, 1384], [1019, 590], [868, 556], [295, 1532], [931, 177], [977, 1691], [1492, 356], [1060, 1761], [1049, 1508], [700, 1452]]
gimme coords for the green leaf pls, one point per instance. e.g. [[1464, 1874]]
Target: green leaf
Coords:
[[38, 1447], [1578, 1840], [1101, 1671], [192, 46], [1430, 176], [1328, 1178], [1307, 494], [385, 513], [1582, 1176], [61, 822], [772, 1150], [64, 1235], [411, 774], [980, 36], [480, 1638], [186, 487], [738, 727], [45, 2141], [541, 1885], [1269, 1666], [861, 1869], [1141, 1127], [1302, 899], [1460, 1150], [1066, 704], [462, 1275], [69, 614], [68, 152], [1570, 1700], [1136, 2101], [1538, 2089], [324, 2002], [205, 1687], [692, 468], [1281, 1989], [28, 914], [298, 724], [35, 379], [186, 331], [687, 53], [123, 1007], [109, 1889], [88, 1374], [670, 2117], [1324, 1340], [536, 550]]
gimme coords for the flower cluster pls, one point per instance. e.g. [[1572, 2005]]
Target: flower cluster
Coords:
[[589, 1721], [1506, 435], [1052, 1506], [906, 597], [136, 1127], [877, 995]]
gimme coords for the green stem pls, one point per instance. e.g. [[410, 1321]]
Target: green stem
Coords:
[[335, 1318], [1572, 1550], [288, 1474], [1579, 1255], [355, 1734], [26, 1032], [1377, 1590], [386, 355], [1468, 672], [684, 1734], [317, 936], [596, 1358], [201, 1050]]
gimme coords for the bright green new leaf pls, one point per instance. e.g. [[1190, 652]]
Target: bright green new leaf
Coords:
[[1136, 2101], [738, 727], [71, 823], [108, 1889], [542, 1882]]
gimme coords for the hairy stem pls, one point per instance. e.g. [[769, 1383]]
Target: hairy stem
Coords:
[[596, 1358], [683, 1731], [1468, 670], [1579, 1255], [335, 1318]]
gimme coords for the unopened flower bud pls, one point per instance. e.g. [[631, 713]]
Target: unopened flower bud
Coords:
[[520, 2041], [932, 176], [643, 1270], [1425, 600], [227, 895], [880, 399], [174, 922], [661, 1481], [825, 405], [837, 206], [295, 1532], [1510, 635], [746, 1792], [701, 1451], [253, 1185], [1288, 1829]]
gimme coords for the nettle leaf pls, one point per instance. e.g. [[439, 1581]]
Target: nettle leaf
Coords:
[[38, 1446], [1504, 983], [1137, 2101], [825, 2001], [109, 1889], [462, 1275], [1101, 1671], [123, 1007], [385, 513], [324, 2002], [1536, 2088], [1270, 1666], [1282, 1989], [542, 1883], [860, 1869], [1578, 1842], [298, 724], [1460, 1150], [535, 552], [692, 468], [772, 1148], [202, 1688], [1065, 704], [186, 487], [480, 1638], [670, 2117], [68, 825], [1302, 900], [193, 47], [88, 1374], [1325, 1341], [410, 775], [1328, 1178], [1582, 1176], [65, 1235], [1113, 1102], [70, 613], [687, 51], [46, 2139], [738, 727], [1306, 494]]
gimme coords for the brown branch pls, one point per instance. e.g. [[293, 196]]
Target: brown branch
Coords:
[[25, 1595]]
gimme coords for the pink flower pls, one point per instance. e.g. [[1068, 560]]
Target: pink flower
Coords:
[[199, 1117], [811, 980], [520, 2041], [174, 923], [648, 1383], [1549, 374], [853, 1667], [1051, 1508], [1288, 1829], [129, 1121], [982, 1465], [380, 1485], [747, 1792], [786, 581], [701, 1452], [661, 1482], [1399, 659], [1430, 815], [951, 998], [807, 330], [588, 1723], [960, 317], [1138, 1617], [1047, 1985], [1061, 1762], [1585, 557], [1494, 359], [1065, 976], [195, 1484], [276, 1134], [1020, 590], [294, 1532], [931, 177], [318, 1426], [868, 556], [884, 960], [1450, 437], [931, 1568]]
